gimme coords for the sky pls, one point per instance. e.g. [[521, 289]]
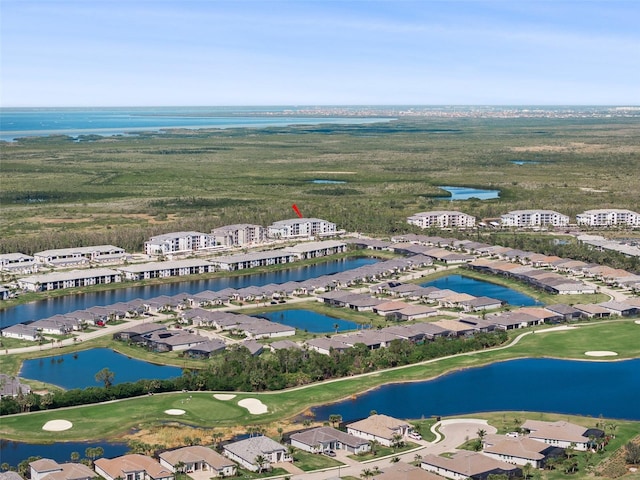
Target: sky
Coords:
[[318, 52]]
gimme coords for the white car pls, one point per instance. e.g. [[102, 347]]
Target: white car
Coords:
[[415, 436]]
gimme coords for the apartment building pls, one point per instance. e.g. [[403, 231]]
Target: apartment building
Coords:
[[442, 219], [177, 242], [534, 218], [238, 235], [301, 228], [605, 217]]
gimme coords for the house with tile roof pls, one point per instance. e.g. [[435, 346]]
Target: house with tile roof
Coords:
[[323, 439], [198, 458], [463, 465], [47, 469], [381, 428], [132, 467], [247, 451]]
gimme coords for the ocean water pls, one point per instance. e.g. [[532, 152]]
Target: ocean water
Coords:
[[29, 122]]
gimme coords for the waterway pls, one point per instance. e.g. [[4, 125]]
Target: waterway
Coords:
[[571, 387], [69, 303], [480, 288], [309, 321], [466, 193], [78, 370], [610, 389], [38, 122], [15, 452]]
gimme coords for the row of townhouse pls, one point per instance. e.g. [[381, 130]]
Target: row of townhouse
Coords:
[[99, 315], [173, 268], [20, 263], [527, 219], [238, 235], [476, 251]]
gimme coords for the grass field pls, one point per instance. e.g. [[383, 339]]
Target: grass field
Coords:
[[58, 192], [99, 421]]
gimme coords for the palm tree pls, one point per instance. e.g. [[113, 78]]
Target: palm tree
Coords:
[[417, 458], [526, 470], [366, 473], [334, 419], [373, 444], [260, 460], [179, 467], [75, 456], [396, 441]]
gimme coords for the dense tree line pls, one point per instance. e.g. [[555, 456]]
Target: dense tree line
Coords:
[[238, 370]]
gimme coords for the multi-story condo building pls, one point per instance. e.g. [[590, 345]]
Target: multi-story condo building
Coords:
[[301, 228], [238, 235], [442, 219], [534, 218], [608, 216], [177, 242]]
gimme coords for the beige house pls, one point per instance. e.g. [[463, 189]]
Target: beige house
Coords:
[[132, 467], [380, 428], [560, 434], [198, 459], [464, 464], [47, 469]]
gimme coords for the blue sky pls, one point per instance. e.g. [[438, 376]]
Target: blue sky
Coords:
[[318, 52]]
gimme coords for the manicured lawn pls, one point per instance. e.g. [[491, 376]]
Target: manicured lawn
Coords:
[[314, 461], [100, 421]]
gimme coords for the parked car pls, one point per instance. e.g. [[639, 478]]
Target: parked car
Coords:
[[330, 453], [415, 436]]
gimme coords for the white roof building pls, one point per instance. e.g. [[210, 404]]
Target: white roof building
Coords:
[[177, 242], [442, 219], [608, 216], [534, 218], [238, 235], [301, 228]]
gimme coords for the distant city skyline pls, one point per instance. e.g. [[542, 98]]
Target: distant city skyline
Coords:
[[315, 52]]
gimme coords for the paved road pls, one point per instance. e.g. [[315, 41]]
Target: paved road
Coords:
[[454, 432]]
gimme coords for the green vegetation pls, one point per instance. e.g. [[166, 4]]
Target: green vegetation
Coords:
[[128, 188], [94, 421]]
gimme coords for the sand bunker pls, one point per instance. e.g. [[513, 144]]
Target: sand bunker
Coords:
[[637, 322], [224, 396], [57, 425], [600, 353], [556, 329], [174, 411], [255, 406]]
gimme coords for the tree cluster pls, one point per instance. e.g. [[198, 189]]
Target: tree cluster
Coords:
[[238, 370]]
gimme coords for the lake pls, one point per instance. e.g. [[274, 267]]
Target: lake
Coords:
[[78, 370], [15, 452], [309, 321], [480, 288], [465, 193], [572, 387], [69, 303]]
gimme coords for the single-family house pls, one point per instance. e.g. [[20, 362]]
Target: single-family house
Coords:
[[250, 451], [132, 467], [518, 450], [198, 458], [405, 471], [560, 434], [381, 428], [322, 439], [463, 465], [47, 469]]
